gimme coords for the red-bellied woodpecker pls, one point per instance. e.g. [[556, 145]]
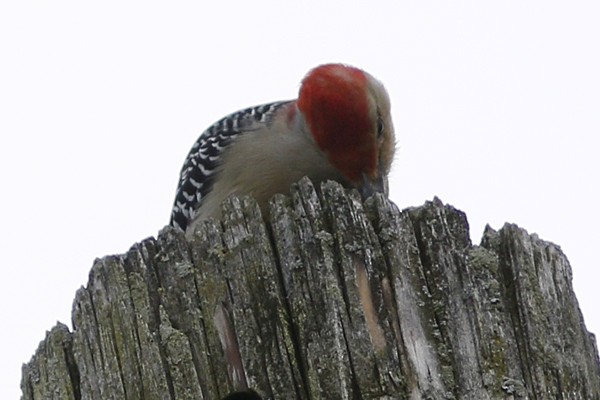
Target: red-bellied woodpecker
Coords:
[[339, 128]]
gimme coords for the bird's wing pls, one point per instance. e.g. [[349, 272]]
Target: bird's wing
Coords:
[[199, 169]]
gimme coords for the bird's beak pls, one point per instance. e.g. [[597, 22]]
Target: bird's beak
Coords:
[[371, 186]]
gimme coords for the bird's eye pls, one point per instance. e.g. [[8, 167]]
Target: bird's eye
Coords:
[[380, 127]]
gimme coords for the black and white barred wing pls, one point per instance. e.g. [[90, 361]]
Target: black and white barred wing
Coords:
[[198, 172]]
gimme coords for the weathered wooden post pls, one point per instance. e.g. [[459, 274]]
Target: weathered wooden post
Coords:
[[332, 299]]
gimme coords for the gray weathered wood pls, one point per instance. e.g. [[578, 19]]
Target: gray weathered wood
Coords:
[[333, 299]]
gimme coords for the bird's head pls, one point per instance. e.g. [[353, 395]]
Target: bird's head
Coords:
[[348, 114]]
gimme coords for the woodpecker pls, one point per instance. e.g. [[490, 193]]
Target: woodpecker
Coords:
[[339, 128]]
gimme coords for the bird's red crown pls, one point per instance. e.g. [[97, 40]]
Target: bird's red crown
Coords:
[[334, 101]]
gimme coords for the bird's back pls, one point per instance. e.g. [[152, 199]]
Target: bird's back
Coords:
[[199, 170]]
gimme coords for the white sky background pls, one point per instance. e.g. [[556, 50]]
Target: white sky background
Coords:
[[496, 108]]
